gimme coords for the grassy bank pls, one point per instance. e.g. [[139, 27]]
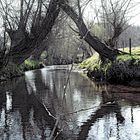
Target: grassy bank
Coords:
[[31, 65], [135, 50], [124, 70]]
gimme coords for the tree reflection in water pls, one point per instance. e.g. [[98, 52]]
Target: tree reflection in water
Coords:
[[108, 106], [26, 115], [113, 112]]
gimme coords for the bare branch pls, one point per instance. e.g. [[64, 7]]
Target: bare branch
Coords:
[[28, 11], [73, 29]]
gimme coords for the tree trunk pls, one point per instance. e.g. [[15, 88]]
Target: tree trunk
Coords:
[[24, 44], [39, 49], [85, 34]]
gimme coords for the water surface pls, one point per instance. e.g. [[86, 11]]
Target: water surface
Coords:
[[30, 106]]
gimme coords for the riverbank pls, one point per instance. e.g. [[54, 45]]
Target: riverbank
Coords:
[[12, 71], [124, 70]]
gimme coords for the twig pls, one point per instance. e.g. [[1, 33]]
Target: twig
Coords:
[[49, 112], [58, 134], [54, 128], [73, 29], [81, 110]]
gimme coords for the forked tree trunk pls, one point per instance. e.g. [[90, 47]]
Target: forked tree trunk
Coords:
[[24, 44]]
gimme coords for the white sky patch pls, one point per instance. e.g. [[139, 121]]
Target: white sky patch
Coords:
[[136, 13], [90, 12]]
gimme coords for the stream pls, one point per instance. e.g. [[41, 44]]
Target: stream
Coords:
[[31, 105]]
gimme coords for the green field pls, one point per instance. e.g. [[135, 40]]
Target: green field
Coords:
[[135, 50], [135, 54]]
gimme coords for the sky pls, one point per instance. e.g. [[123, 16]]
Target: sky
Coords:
[[134, 13], [90, 13]]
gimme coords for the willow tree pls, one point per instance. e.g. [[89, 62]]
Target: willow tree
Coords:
[[115, 19], [28, 28], [30, 24], [85, 33]]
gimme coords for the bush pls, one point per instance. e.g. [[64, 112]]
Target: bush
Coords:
[[31, 65]]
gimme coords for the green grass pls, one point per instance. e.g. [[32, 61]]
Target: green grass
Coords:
[[127, 57], [134, 56], [135, 50], [30, 65], [123, 70], [94, 62], [90, 62]]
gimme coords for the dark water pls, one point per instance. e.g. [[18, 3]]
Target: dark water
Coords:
[[30, 106]]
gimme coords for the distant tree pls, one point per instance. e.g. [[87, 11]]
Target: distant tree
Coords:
[[132, 32], [114, 16]]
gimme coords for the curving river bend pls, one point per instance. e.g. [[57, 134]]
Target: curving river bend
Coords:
[[30, 107]]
